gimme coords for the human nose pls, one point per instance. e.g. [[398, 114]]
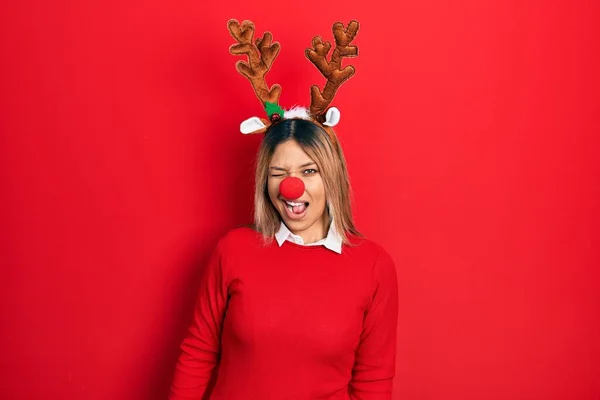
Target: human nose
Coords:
[[291, 188]]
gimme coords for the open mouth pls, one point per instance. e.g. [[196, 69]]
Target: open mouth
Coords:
[[295, 209]]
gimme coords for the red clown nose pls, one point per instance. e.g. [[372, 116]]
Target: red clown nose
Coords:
[[291, 188]]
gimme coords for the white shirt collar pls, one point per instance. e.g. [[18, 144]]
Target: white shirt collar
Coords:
[[333, 241]]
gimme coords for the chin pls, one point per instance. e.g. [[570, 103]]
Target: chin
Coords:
[[297, 225], [301, 224]]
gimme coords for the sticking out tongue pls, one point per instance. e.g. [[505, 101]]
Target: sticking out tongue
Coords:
[[299, 209]]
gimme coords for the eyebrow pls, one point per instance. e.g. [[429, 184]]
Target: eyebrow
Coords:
[[302, 166]]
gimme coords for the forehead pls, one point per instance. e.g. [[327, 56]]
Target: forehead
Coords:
[[289, 154]]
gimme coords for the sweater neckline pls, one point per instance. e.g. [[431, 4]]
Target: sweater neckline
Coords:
[[289, 243]]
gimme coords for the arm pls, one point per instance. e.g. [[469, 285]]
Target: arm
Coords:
[[374, 365], [200, 348]]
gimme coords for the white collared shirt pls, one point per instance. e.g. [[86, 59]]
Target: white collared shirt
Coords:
[[332, 241]]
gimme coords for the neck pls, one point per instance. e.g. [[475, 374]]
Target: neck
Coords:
[[317, 231]]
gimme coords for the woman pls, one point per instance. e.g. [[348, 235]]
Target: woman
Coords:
[[300, 306]]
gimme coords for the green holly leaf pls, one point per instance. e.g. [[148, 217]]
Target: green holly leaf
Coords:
[[273, 108]]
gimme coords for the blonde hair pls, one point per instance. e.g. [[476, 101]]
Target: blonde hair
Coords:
[[326, 152]]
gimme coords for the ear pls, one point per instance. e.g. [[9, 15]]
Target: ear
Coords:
[[332, 117], [254, 125]]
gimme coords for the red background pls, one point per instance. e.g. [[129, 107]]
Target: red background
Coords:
[[471, 132]]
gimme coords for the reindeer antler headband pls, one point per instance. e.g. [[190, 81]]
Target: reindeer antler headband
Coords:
[[261, 54]]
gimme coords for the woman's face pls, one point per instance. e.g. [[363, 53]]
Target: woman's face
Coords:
[[309, 220]]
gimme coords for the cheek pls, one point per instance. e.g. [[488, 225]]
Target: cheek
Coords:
[[316, 190], [273, 189]]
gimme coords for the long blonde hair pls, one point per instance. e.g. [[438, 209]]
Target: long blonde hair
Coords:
[[328, 156]]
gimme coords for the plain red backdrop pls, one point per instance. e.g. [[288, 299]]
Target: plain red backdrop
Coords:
[[471, 132]]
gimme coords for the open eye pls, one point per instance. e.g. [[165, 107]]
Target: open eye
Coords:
[[309, 171]]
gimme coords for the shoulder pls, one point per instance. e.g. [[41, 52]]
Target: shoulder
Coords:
[[360, 245], [240, 238], [371, 252]]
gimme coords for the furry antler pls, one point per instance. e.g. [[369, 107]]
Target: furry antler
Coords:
[[261, 55], [331, 70]]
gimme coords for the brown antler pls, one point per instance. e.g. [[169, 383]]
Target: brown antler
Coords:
[[260, 58], [331, 70]]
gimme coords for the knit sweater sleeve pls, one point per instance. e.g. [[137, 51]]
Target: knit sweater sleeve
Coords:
[[200, 348], [374, 365]]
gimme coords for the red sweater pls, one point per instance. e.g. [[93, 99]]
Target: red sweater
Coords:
[[291, 323]]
